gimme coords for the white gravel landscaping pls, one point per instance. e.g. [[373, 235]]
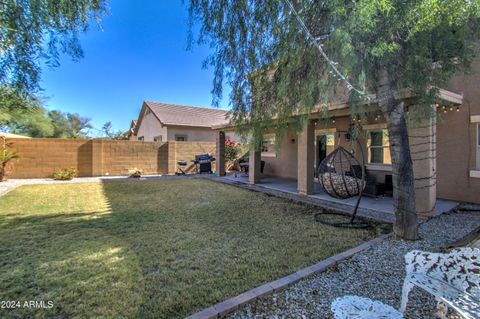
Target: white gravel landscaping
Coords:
[[377, 273]]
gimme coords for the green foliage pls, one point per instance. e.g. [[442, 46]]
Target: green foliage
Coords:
[[275, 71], [65, 174], [33, 32], [27, 116], [30, 122], [77, 125], [110, 133], [231, 150], [6, 156]]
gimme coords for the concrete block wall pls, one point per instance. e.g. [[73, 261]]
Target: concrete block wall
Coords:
[[186, 151], [40, 157]]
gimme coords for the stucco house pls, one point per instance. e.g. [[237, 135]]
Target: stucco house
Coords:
[[445, 149], [161, 122]]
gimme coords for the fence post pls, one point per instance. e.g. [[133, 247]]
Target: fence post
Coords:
[[97, 157]]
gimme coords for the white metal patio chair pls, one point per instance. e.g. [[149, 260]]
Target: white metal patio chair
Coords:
[[453, 278]]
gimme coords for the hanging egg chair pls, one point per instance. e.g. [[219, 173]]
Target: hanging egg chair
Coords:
[[340, 174]]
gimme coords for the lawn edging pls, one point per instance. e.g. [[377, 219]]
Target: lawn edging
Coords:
[[233, 303]]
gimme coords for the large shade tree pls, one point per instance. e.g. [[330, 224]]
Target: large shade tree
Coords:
[[33, 32], [378, 47]]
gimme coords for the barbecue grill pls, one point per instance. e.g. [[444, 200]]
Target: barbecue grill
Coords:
[[204, 163]]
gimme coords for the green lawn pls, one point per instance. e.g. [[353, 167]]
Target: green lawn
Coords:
[[151, 249]]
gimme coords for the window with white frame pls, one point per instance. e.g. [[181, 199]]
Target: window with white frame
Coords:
[[378, 147], [141, 138], [268, 145], [158, 138]]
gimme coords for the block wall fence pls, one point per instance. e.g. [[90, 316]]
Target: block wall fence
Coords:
[[40, 157]]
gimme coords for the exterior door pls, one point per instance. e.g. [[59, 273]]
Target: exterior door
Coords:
[[321, 150]]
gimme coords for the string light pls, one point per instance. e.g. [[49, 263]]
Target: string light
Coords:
[[458, 109], [335, 72]]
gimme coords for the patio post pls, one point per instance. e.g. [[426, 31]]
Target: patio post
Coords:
[[220, 154], [254, 162], [423, 138], [305, 159]]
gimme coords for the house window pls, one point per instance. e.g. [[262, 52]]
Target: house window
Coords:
[[268, 145], [157, 138], [378, 147], [141, 138], [180, 138]]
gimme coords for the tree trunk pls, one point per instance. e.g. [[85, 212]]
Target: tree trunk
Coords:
[[402, 166]]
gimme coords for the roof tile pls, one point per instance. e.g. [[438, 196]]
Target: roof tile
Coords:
[[171, 114]]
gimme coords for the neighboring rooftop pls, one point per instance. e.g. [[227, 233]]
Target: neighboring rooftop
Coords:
[[171, 114], [10, 135]]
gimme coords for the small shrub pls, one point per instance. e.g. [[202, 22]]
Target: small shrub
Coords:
[[135, 173], [65, 174]]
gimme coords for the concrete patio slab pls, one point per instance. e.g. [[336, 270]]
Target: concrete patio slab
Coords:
[[380, 209]]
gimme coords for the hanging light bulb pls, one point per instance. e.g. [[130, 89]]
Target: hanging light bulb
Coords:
[[333, 120], [451, 108], [458, 109]]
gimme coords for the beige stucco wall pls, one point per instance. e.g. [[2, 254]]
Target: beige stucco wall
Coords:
[[456, 153], [150, 127], [194, 134], [285, 162]]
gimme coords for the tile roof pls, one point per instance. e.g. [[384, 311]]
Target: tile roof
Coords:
[[171, 114]]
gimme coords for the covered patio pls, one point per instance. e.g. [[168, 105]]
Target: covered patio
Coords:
[[291, 167], [380, 208]]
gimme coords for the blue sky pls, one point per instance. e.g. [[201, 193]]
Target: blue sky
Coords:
[[140, 55]]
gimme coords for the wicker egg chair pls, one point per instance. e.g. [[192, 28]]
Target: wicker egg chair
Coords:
[[340, 174]]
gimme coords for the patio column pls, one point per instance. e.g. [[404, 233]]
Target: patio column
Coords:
[[305, 159], [254, 162], [422, 138], [220, 155]]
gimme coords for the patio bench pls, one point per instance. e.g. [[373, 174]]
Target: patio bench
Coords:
[[453, 278]]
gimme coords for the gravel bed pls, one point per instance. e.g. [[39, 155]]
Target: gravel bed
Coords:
[[377, 273]]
